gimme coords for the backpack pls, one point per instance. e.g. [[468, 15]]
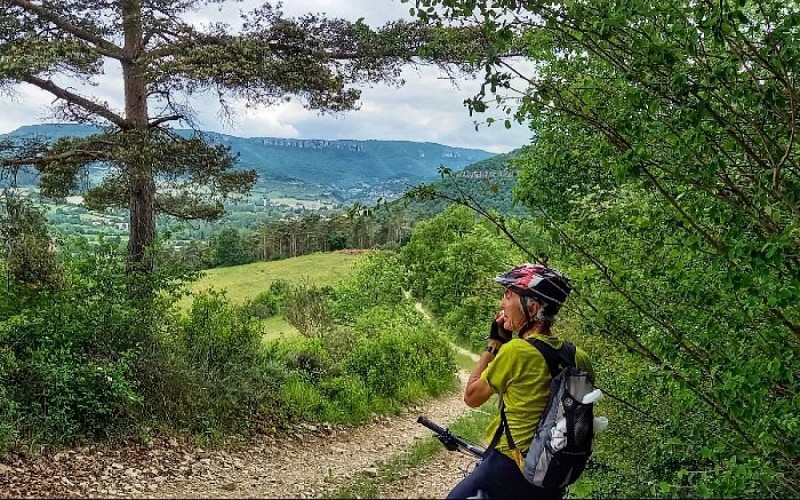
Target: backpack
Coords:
[[562, 443]]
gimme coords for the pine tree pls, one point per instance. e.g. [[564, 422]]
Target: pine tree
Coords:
[[164, 61]]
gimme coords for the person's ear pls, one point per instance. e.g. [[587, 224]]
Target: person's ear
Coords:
[[533, 308]]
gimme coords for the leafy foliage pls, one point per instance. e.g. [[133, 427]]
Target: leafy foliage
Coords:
[[27, 252], [664, 173], [70, 353], [230, 247], [452, 259], [372, 351]]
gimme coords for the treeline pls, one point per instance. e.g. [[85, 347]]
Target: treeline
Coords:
[[359, 228]]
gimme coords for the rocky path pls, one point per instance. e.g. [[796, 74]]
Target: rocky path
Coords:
[[303, 464], [434, 480], [300, 465]]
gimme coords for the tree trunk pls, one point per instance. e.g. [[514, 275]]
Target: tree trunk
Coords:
[[141, 185], [142, 222]]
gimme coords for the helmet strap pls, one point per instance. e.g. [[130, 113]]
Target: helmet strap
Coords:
[[524, 303]]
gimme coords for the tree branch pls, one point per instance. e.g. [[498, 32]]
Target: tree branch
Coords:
[[163, 119], [102, 45], [40, 160], [83, 102]]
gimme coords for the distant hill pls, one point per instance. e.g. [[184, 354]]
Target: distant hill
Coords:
[[489, 182], [341, 164]]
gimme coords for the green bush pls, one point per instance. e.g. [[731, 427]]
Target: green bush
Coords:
[[451, 260], [280, 289], [378, 279], [91, 359], [390, 356], [306, 308], [316, 389], [270, 302], [8, 425], [264, 305], [307, 356], [302, 399], [230, 380], [375, 353], [217, 334], [347, 400], [69, 365]]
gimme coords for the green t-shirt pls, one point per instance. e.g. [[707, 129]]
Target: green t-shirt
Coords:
[[520, 374]]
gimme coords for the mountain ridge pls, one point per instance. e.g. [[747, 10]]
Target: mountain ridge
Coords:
[[340, 163]]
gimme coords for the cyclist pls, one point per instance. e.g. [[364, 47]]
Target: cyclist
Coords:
[[515, 369]]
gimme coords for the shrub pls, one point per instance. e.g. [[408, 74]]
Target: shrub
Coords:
[[70, 358], [389, 356], [306, 308], [347, 399], [216, 356], [280, 289], [307, 356], [264, 305], [377, 279]]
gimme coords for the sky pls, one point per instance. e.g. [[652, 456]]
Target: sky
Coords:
[[428, 108]]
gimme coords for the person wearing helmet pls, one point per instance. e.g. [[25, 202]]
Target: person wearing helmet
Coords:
[[512, 367]]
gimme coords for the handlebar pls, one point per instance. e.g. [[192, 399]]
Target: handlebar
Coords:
[[450, 440], [430, 424]]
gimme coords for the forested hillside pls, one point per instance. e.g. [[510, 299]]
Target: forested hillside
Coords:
[[489, 183]]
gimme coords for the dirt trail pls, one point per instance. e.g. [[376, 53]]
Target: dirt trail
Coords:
[[434, 480], [301, 465], [305, 470]]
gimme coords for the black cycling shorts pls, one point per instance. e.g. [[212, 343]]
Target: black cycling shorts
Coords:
[[499, 477]]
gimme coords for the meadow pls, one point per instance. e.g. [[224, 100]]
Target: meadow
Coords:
[[244, 282]]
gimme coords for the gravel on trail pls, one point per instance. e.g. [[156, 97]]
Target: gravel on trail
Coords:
[[304, 464], [433, 480]]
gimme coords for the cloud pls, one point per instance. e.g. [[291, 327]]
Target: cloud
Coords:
[[428, 108], [273, 121], [24, 105]]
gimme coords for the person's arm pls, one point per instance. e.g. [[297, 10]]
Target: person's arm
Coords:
[[478, 391]]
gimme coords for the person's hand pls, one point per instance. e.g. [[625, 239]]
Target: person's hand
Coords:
[[497, 332]]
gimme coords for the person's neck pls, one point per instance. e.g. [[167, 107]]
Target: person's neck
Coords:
[[539, 329]]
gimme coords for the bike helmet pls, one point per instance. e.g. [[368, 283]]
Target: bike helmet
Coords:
[[539, 282]]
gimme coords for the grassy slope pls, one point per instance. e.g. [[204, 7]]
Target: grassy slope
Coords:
[[247, 281]]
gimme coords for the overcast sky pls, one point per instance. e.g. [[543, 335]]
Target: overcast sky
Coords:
[[427, 108]]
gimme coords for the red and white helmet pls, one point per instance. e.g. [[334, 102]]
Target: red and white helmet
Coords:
[[541, 283]]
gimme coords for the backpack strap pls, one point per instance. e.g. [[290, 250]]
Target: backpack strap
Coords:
[[515, 453], [556, 359], [503, 426]]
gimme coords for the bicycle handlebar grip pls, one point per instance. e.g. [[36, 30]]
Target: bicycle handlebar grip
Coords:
[[432, 425]]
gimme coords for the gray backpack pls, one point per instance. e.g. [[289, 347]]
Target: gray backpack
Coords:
[[562, 443]]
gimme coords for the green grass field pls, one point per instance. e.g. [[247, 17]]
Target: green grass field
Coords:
[[243, 282], [276, 328], [247, 281]]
